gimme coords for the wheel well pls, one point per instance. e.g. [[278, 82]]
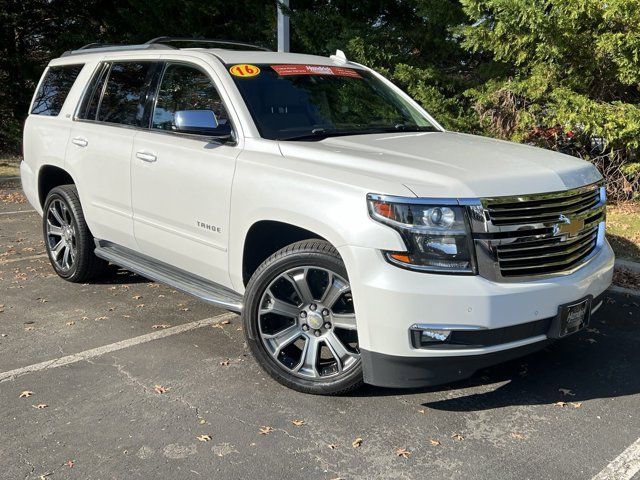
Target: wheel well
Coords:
[[49, 178], [267, 237]]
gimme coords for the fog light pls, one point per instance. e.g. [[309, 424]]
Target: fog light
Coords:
[[438, 335], [423, 335]]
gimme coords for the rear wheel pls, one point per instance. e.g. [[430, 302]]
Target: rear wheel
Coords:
[[67, 238], [300, 320]]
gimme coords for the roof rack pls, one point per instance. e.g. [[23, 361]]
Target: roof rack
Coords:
[[165, 40], [106, 47]]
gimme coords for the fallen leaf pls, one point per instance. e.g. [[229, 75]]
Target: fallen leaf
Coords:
[[357, 442], [40, 406], [518, 436], [159, 389], [298, 423], [26, 394], [265, 430], [566, 391], [434, 442], [137, 297], [576, 404], [202, 421], [403, 452], [204, 438], [560, 404], [161, 326], [457, 436], [69, 324], [422, 411]]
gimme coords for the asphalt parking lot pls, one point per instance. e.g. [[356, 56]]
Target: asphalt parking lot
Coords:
[[130, 379]]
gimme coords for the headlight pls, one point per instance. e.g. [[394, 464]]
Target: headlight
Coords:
[[437, 236]]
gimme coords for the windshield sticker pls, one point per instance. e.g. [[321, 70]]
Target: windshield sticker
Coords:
[[244, 70], [284, 70]]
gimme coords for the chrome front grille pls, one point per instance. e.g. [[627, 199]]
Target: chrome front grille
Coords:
[[533, 236], [541, 209]]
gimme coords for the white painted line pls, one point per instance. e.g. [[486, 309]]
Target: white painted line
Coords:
[[23, 259], [95, 352], [15, 212], [624, 466]]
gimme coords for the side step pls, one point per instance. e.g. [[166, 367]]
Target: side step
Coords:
[[160, 272]]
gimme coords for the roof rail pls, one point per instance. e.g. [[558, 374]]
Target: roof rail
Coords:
[[105, 47], [165, 40]]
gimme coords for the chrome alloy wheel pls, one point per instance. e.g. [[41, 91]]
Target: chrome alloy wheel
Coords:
[[61, 235], [307, 323]]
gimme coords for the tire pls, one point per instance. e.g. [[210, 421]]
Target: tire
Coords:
[[64, 228], [305, 338]]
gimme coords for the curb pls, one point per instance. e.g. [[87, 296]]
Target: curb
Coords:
[[624, 264], [628, 264]]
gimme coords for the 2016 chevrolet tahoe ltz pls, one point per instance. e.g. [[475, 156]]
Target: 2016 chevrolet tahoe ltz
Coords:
[[360, 240]]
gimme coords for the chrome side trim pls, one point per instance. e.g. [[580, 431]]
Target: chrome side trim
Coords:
[[152, 269]]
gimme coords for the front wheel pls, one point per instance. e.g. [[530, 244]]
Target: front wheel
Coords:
[[300, 321]]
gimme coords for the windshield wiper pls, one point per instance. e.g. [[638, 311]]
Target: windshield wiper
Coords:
[[320, 133]]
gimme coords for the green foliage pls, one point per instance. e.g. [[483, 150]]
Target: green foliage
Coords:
[[572, 65]]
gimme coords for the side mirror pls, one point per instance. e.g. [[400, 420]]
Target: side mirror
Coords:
[[199, 122]]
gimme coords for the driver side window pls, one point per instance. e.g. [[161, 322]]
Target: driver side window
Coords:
[[186, 88]]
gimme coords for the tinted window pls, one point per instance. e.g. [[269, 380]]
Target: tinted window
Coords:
[[125, 94], [187, 88], [91, 101], [54, 89]]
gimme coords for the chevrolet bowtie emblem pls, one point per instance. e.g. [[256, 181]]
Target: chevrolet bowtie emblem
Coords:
[[569, 226]]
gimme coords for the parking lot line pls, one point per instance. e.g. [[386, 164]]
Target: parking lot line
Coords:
[[22, 259], [95, 352], [624, 466], [14, 212]]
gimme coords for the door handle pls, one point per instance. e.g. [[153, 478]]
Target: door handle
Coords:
[[146, 157], [81, 142]]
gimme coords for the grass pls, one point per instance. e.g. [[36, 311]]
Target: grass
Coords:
[[623, 229], [9, 166]]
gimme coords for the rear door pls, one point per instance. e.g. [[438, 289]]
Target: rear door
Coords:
[[181, 183], [101, 142]]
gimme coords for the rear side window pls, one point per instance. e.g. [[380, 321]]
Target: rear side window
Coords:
[[125, 94], [54, 89]]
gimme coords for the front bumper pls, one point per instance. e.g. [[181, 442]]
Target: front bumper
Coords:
[[389, 300]]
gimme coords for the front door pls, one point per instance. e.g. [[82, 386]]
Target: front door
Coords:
[[181, 182]]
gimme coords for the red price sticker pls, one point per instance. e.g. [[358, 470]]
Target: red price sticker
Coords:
[[244, 70], [285, 70]]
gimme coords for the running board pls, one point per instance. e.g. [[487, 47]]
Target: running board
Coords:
[[161, 272]]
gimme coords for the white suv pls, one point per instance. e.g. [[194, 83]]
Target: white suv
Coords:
[[359, 239]]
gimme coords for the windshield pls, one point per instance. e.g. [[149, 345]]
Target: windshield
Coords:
[[296, 102]]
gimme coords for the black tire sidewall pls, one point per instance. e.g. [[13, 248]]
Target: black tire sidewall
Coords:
[[296, 255]]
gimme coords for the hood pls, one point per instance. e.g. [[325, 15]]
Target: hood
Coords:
[[446, 164]]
